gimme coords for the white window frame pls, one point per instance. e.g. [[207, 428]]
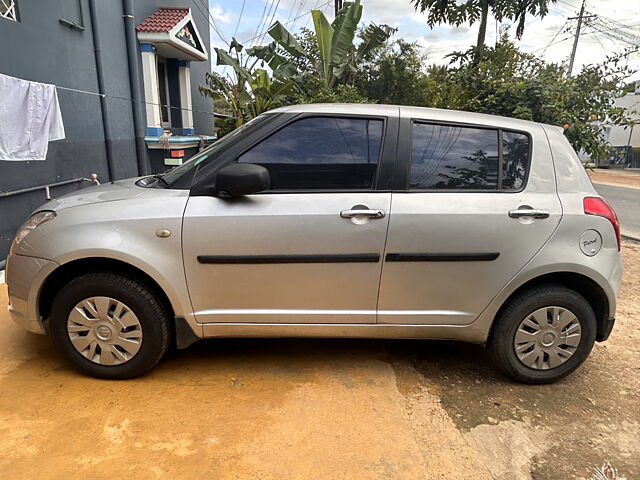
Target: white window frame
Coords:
[[8, 10]]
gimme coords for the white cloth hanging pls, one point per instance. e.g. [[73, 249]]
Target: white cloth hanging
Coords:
[[30, 118]]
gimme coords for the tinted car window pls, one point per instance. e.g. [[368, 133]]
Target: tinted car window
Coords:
[[321, 153], [515, 151], [451, 157]]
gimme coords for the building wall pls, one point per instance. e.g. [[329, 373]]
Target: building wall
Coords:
[[39, 48], [619, 136]]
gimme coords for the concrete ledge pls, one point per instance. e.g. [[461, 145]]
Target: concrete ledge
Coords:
[[178, 141]]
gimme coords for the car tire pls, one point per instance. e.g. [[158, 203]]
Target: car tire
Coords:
[[524, 358], [97, 314]]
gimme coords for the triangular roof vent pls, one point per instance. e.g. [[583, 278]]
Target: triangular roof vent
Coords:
[[174, 34]]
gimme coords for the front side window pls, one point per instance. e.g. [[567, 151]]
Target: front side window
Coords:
[[321, 153], [8, 10], [451, 157]]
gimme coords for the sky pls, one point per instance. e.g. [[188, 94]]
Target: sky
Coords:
[[548, 37]]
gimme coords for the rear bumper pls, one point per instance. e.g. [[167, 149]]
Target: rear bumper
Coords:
[[24, 277], [604, 330]]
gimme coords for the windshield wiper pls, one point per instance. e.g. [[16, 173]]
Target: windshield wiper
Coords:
[[160, 178]]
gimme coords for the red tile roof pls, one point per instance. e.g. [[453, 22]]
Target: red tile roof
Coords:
[[163, 20]]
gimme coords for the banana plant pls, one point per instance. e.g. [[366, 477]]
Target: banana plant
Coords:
[[248, 91], [338, 57]]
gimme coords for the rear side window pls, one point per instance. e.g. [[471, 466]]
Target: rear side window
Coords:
[[448, 157], [445, 157], [321, 153]]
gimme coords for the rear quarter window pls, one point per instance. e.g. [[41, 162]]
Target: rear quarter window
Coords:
[[515, 160]]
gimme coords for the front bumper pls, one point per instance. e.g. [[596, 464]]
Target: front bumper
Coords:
[[24, 277]]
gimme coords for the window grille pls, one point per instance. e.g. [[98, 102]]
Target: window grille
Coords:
[[8, 10]]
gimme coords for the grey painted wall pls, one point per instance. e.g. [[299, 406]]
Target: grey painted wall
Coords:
[[39, 48]]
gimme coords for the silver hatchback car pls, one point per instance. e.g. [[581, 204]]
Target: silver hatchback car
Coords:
[[333, 221]]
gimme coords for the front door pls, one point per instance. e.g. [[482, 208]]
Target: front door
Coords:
[[307, 251], [474, 212]]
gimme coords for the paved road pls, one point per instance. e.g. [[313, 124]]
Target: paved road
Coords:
[[626, 202]]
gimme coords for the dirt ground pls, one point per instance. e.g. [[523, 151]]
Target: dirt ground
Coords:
[[322, 409], [616, 177]]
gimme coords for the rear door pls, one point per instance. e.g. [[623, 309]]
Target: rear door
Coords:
[[474, 205], [310, 249]]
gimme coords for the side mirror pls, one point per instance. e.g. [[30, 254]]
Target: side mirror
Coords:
[[240, 179]]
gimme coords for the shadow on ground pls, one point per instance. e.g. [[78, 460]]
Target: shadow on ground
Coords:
[[575, 424]]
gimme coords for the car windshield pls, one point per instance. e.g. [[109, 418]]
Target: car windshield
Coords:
[[209, 154]]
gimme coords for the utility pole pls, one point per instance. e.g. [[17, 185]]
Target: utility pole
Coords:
[[580, 17], [338, 6]]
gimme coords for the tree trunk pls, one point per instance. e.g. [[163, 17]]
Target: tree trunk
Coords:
[[482, 32]]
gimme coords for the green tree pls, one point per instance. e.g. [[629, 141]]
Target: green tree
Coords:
[[508, 82], [313, 90], [395, 75], [472, 11]]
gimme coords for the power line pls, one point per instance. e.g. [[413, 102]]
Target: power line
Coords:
[[315, 7], [259, 26], [211, 21], [616, 35], [267, 25], [235, 32], [294, 6], [300, 9], [544, 49], [598, 40], [292, 20], [551, 44]]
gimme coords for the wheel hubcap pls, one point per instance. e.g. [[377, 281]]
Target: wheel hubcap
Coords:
[[547, 338], [104, 330]]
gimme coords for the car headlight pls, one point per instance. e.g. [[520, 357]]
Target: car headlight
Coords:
[[31, 224]]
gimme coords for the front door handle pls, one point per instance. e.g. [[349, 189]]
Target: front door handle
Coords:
[[362, 213], [529, 212]]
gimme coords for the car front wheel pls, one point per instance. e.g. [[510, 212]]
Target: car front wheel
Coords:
[[109, 326], [543, 334]]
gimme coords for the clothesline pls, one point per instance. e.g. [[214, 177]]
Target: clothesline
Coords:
[[104, 95]]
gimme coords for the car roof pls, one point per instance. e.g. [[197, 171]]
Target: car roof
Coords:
[[420, 113]]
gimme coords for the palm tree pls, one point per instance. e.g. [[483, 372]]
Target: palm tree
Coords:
[[450, 11]]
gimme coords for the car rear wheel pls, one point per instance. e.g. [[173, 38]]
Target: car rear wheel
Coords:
[[109, 325], [543, 334]]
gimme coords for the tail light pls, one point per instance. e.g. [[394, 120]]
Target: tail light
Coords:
[[599, 206]]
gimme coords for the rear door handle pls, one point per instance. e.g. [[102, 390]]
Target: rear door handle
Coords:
[[529, 212], [362, 213]]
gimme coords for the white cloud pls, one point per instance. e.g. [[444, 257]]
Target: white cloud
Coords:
[[220, 15]]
